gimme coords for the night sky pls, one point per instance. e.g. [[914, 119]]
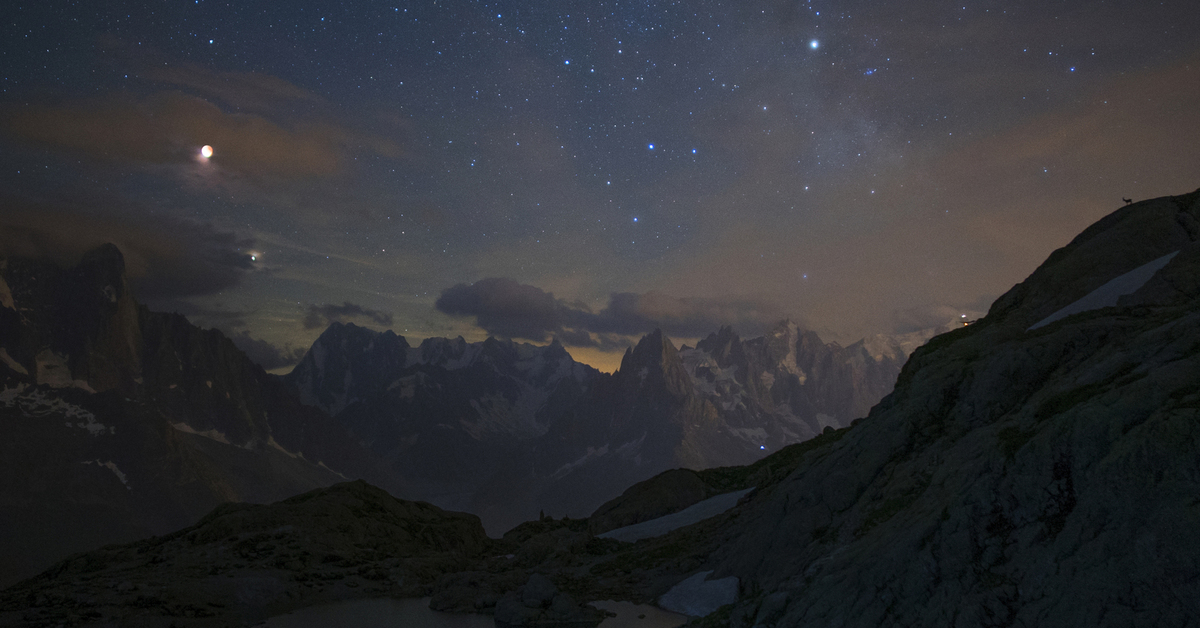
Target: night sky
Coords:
[[585, 170]]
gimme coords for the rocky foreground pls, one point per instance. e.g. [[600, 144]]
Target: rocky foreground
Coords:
[[1033, 469], [243, 563]]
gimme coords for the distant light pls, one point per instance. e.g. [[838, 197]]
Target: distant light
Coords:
[[814, 44], [762, 446], [254, 258], [210, 41], [693, 151], [635, 218], [206, 151], [651, 146], [566, 62]]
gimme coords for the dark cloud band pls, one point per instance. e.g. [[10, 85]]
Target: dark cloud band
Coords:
[[320, 316], [505, 307]]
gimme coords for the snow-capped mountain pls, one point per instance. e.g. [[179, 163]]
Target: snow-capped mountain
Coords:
[[486, 388], [507, 430]]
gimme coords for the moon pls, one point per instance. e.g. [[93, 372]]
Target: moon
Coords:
[[206, 151]]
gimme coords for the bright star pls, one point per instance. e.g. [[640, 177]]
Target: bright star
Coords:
[[814, 44], [206, 151], [651, 146]]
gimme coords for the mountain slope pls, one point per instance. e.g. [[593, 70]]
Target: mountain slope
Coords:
[[1017, 476], [120, 422], [1014, 477]]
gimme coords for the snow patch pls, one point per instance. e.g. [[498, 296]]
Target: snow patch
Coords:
[[12, 364], [1107, 295], [697, 596], [272, 443], [322, 465], [210, 434], [695, 513], [35, 402], [631, 449], [112, 466], [592, 453]]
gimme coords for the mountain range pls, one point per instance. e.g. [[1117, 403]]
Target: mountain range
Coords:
[[123, 423], [1035, 468], [508, 430]]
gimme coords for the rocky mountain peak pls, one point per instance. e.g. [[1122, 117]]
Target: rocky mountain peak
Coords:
[[78, 327], [449, 353], [655, 359], [1123, 241], [347, 361], [725, 347]]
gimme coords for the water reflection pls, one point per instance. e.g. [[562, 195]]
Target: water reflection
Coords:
[[415, 613], [377, 613], [628, 616]]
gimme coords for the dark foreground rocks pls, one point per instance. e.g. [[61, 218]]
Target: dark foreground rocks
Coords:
[[242, 563]]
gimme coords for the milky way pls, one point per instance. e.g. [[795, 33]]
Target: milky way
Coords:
[[860, 167]]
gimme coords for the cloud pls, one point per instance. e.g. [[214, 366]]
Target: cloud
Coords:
[[244, 91], [323, 315], [170, 127], [631, 313], [507, 308], [164, 258], [264, 353], [202, 316], [504, 307]]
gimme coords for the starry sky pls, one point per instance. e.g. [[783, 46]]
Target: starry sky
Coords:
[[585, 171]]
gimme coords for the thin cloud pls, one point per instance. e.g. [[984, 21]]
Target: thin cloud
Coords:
[[505, 307], [320, 316], [170, 128]]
